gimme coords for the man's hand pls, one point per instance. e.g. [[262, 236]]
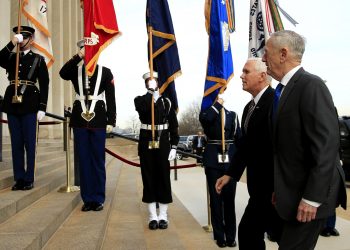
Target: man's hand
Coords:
[[221, 182], [109, 129], [172, 154], [40, 115], [306, 212], [82, 52], [18, 38]]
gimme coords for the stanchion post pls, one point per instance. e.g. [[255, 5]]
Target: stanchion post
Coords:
[[208, 228], [68, 188], [175, 170]]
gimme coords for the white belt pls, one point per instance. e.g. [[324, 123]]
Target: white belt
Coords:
[[156, 127], [90, 97]]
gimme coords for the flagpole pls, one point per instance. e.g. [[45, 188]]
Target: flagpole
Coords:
[[150, 34], [16, 98]]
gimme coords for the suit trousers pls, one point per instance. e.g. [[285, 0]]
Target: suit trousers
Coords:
[[23, 132], [223, 214], [301, 236], [90, 144], [258, 217]]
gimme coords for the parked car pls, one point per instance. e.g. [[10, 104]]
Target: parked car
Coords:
[[344, 125], [184, 145]]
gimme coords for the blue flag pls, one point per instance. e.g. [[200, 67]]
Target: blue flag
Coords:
[[220, 66], [164, 49]]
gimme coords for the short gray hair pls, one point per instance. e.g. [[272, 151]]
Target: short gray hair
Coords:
[[291, 39], [260, 66]]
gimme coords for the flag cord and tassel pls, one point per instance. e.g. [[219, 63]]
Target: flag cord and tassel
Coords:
[[16, 98]]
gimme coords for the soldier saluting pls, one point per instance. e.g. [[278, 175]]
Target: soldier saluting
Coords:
[[24, 102], [91, 118]]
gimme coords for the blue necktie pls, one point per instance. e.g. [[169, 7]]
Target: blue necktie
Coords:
[[276, 98]]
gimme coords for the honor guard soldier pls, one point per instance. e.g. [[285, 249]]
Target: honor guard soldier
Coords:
[[156, 152], [24, 102], [216, 162], [91, 118]]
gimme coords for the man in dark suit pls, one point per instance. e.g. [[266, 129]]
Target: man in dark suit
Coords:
[[91, 118], [308, 178], [199, 143], [254, 152], [25, 109], [222, 206]]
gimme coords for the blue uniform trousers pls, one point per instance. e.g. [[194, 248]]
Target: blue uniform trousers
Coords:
[[90, 144], [23, 132]]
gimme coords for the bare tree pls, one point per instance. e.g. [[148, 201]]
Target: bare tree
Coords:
[[189, 119], [134, 125]]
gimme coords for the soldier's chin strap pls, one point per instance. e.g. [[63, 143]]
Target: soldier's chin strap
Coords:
[[95, 96]]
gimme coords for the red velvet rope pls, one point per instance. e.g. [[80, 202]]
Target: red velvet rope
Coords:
[[41, 123], [138, 165]]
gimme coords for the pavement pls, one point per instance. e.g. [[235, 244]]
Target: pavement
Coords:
[[190, 189]]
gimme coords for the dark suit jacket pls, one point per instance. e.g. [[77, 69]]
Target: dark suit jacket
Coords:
[[306, 148], [195, 142], [254, 151], [211, 123]]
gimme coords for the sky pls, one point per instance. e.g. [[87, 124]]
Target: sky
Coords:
[[324, 24]]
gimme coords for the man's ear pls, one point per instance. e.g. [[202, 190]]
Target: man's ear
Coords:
[[284, 52]]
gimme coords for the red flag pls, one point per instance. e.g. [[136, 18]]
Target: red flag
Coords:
[[100, 27]]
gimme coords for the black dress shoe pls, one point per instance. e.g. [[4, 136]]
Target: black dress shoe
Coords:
[[334, 232], [153, 225], [221, 244], [18, 185], [325, 232], [86, 207], [163, 224], [28, 185], [231, 244], [96, 206]]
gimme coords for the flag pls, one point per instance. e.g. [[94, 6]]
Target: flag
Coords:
[[264, 20], [220, 65], [100, 27], [165, 54], [36, 13]]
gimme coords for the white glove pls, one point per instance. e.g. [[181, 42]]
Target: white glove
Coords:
[[109, 129], [172, 154], [156, 95], [152, 84], [82, 52], [40, 115], [19, 38]]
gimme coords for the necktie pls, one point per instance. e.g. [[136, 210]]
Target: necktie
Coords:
[[276, 98], [250, 111], [21, 54]]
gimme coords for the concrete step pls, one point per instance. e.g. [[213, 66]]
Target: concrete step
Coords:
[[41, 155], [88, 228], [57, 161], [12, 202], [7, 153], [128, 223], [31, 228]]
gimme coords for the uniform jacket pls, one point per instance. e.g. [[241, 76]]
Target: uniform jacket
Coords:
[[34, 95], [306, 148], [254, 150], [164, 113], [105, 112], [211, 123]]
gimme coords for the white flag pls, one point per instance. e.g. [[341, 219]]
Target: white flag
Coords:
[[36, 13], [260, 27]]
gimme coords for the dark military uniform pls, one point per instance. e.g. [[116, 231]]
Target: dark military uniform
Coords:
[[222, 206], [155, 167], [33, 79], [90, 136]]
